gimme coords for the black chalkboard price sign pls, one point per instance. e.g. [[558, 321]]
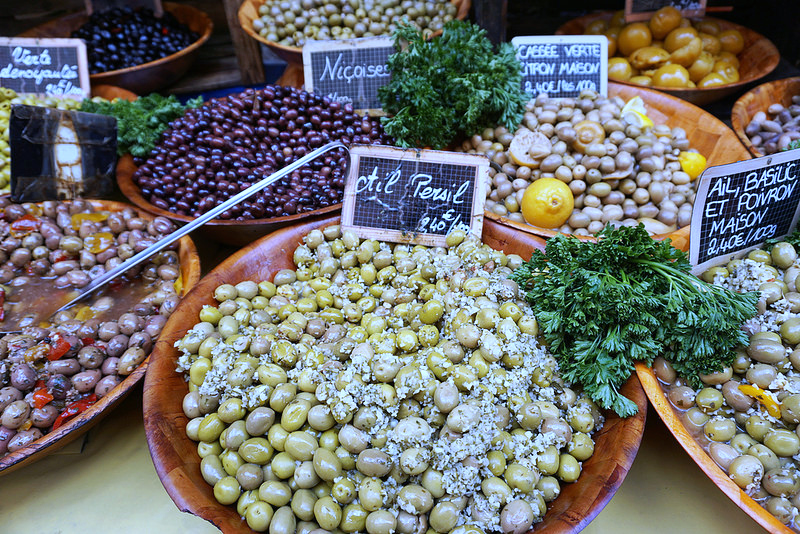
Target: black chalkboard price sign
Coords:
[[349, 71], [643, 9], [53, 67], [563, 65], [414, 196], [740, 205]]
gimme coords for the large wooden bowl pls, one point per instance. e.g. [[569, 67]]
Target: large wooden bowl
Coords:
[[759, 58], [147, 77], [673, 422], [49, 443], [229, 232], [709, 135], [175, 455], [759, 99], [248, 12]]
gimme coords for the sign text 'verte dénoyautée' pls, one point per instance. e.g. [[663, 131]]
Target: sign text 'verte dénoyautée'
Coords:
[[54, 67], [562, 65], [740, 205]]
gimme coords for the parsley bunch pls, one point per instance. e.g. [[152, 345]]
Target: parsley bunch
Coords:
[[602, 306], [452, 85], [140, 123]]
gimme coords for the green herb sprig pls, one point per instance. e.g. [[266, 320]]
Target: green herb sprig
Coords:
[[603, 306], [452, 85], [140, 123]]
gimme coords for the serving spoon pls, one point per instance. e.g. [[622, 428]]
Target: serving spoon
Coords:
[[167, 240]]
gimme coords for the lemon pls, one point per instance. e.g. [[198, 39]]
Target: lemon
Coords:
[[636, 111], [547, 203], [692, 163]]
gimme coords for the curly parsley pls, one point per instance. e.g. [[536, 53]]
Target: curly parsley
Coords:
[[140, 123], [602, 306], [452, 85]]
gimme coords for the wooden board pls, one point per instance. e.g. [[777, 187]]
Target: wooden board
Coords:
[[175, 455]]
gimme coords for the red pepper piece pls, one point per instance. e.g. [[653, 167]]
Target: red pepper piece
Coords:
[[25, 225], [73, 409], [87, 341], [58, 347], [41, 398]]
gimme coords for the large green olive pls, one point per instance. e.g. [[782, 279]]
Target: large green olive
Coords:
[[766, 350], [783, 255], [745, 470], [782, 442]]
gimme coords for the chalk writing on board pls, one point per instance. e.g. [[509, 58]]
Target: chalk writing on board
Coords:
[[740, 205], [44, 66], [414, 196], [563, 65], [642, 9], [349, 71]]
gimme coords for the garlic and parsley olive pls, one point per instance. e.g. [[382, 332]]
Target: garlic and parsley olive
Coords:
[[386, 388], [746, 415]]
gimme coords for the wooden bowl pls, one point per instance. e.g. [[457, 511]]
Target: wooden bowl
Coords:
[[759, 58], [147, 77], [665, 410], [248, 12], [175, 455], [709, 135], [49, 443], [110, 92], [759, 99], [236, 233]]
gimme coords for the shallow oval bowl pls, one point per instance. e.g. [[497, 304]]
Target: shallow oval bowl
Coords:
[[759, 99], [147, 77], [709, 135], [175, 455], [758, 58], [77, 426]]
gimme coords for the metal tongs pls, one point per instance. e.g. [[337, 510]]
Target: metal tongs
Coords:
[[166, 241]]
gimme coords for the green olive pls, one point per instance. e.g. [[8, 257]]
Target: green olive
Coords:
[[719, 429], [344, 491], [782, 442], [327, 513], [569, 469], [783, 255], [354, 518], [259, 516], [382, 522], [710, 400], [227, 490], [275, 492]]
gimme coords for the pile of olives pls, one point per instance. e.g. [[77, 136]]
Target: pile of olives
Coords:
[[619, 172], [774, 129], [670, 51], [746, 415], [293, 22], [385, 388], [125, 37]]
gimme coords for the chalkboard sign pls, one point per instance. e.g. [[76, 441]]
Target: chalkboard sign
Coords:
[[563, 65], [414, 196], [644, 9], [349, 71], [740, 205], [55, 67]]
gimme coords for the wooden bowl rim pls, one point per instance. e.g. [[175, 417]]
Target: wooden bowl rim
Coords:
[[613, 89], [183, 491], [172, 7], [664, 409], [739, 110], [294, 54], [749, 35], [81, 423], [133, 193]]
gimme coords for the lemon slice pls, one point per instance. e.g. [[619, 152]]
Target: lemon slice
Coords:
[[527, 147], [636, 112], [692, 163]]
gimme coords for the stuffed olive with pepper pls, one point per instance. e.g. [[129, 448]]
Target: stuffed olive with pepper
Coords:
[[746, 415], [382, 388]]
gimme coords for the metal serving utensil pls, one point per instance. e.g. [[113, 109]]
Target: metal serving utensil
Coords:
[[166, 241]]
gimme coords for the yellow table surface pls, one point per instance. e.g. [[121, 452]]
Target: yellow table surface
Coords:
[[106, 483]]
